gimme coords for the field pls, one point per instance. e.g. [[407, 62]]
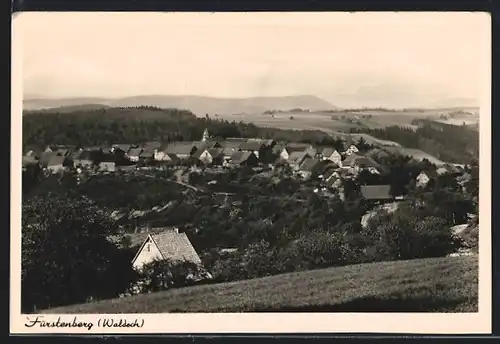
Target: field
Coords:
[[424, 285]]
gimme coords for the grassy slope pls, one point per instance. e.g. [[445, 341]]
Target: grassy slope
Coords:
[[438, 284]]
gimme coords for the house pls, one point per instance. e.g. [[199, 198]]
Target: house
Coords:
[[146, 154], [243, 159], [228, 151], [425, 177], [376, 192], [123, 147], [107, 166], [295, 159], [352, 149], [134, 153], [205, 135], [83, 159], [357, 163], [151, 145], [33, 153], [309, 167], [163, 245], [293, 147], [45, 157], [161, 155], [211, 156], [56, 163], [231, 145], [182, 150], [332, 155], [252, 146]]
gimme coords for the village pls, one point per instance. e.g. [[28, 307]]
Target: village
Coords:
[[326, 167]]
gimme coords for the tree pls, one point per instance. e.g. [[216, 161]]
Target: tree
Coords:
[[66, 257]]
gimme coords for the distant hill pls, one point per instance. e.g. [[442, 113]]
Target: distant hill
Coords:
[[199, 105]]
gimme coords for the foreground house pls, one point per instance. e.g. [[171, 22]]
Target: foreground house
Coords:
[[332, 155], [163, 245]]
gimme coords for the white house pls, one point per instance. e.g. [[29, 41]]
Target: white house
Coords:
[[423, 179], [166, 244]]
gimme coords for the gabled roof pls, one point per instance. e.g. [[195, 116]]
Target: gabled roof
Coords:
[[122, 146], [173, 245], [56, 160], [296, 146], [230, 144], [82, 155], [45, 157], [147, 153], [431, 173], [236, 139], [62, 151], [240, 157], [375, 192], [27, 160], [134, 151], [184, 148], [309, 165], [360, 160], [228, 151], [251, 146], [298, 156], [152, 145], [328, 151]]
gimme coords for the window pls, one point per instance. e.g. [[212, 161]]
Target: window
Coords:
[[148, 247]]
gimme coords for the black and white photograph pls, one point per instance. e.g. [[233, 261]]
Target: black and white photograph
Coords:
[[313, 164]]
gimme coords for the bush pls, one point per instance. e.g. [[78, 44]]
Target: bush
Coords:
[[165, 274]]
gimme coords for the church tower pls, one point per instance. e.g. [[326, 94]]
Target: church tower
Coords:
[[206, 136]]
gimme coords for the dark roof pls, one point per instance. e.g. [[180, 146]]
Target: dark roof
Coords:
[[431, 173], [180, 148], [147, 153], [309, 165], [375, 192], [328, 151], [297, 157], [45, 158], [134, 151], [215, 152], [152, 145], [236, 139], [62, 151], [251, 146], [56, 160], [230, 144], [27, 160], [228, 151], [175, 246], [83, 155]]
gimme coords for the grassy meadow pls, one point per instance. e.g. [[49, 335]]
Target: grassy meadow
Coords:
[[423, 285]]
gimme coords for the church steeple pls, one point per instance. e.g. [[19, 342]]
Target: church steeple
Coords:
[[206, 136]]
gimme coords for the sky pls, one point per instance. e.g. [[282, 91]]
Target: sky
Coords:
[[360, 58]]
